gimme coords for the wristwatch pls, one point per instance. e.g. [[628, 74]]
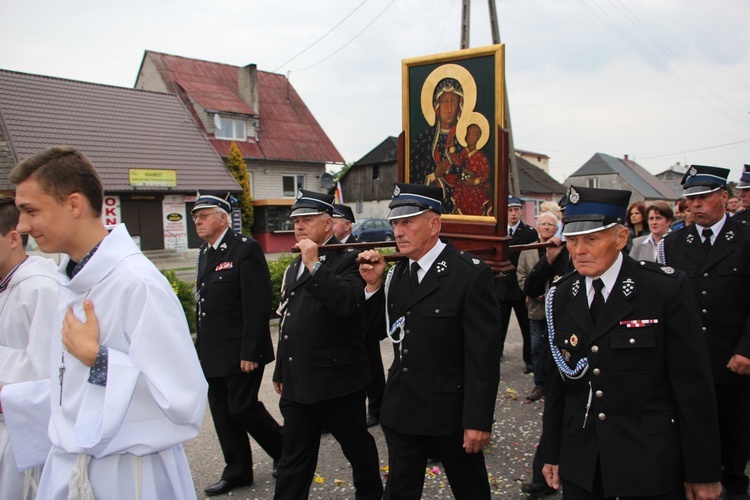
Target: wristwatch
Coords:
[[315, 268]]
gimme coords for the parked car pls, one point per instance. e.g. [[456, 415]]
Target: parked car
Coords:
[[373, 230]]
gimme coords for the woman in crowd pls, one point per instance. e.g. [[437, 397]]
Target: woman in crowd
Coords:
[[635, 220], [659, 220]]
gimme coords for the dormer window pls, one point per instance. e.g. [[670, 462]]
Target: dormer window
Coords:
[[230, 129]]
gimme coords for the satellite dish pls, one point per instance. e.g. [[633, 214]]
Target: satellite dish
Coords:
[[326, 180], [217, 121]]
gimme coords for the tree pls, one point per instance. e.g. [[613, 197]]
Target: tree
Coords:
[[236, 164]]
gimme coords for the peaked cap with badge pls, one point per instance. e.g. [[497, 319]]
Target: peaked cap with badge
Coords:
[[631, 380], [514, 202], [414, 199], [312, 203], [701, 179], [344, 212], [592, 209], [208, 198], [744, 182]]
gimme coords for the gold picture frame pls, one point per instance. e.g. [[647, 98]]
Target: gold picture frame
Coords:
[[453, 106]]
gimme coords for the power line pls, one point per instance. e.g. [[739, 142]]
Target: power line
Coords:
[[350, 41], [728, 144], [692, 74], [322, 37], [655, 60]]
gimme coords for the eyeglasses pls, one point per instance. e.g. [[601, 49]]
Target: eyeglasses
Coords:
[[203, 216]]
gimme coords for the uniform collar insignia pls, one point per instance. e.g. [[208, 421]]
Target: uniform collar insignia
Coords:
[[576, 286], [442, 266], [690, 238], [223, 246], [628, 286], [667, 270], [322, 258], [729, 236]]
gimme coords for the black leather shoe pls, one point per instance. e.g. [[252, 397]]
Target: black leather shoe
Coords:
[[372, 420], [538, 489], [275, 469], [528, 369], [225, 486]]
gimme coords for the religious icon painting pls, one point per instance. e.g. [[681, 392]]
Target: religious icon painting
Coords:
[[453, 104]]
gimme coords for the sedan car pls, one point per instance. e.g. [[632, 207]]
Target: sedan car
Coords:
[[373, 230]]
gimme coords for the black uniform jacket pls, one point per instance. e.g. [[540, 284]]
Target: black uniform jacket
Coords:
[[321, 351], [743, 216], [721, 282], [507, 288], [445, 373], [652, 422], [234, 306], [544, 274]]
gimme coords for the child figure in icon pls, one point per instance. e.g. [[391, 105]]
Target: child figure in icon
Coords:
[[471, 185]]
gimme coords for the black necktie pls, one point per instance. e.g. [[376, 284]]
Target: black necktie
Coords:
[[597, 305], [707, 233], [510, 231], [413, 278]]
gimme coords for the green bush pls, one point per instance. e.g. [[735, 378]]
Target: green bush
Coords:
[[277, 268], [184, 292]]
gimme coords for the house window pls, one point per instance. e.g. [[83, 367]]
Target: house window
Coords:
[[231, 130], [592, 183], [375, 172], [271, 219], [291, 183]]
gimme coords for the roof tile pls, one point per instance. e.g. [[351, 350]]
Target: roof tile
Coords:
[[118, 128]]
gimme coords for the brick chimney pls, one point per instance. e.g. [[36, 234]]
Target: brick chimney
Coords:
[[247, 81], [626, 157]]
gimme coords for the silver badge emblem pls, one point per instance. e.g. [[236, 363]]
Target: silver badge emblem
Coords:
[[628, 287], [690, 238], [322, 258], [729, 236], [397, 191], [576, 286], [693, 171], [573, 196], [476, 261], [441, 266], [667, 270], [299, 194]]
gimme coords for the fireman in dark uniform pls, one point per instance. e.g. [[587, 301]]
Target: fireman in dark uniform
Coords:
[[443, 317], [234, 339], [628, 411], [321, 367], [714, 252]]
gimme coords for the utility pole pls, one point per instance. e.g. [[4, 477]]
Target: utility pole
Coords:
[[513, 183]]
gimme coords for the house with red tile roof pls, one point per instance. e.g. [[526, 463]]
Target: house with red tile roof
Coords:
[[284, 147], [150, 155]]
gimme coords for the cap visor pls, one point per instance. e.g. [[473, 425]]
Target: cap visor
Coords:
[[405, 211], [201, 205], [696, 190], [742, 185], [305, 211], [585, 227]]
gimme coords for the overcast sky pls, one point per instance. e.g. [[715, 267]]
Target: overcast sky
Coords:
[[663, 81]]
